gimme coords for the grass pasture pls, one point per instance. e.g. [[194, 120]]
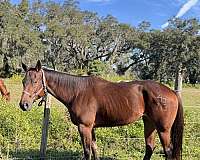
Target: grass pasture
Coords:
[[20, 132]]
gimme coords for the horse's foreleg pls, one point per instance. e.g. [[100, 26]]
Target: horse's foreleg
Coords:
[[86, 138], [94, 146], [149, 133]]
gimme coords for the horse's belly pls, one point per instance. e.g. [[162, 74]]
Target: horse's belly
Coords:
[[116, 119]]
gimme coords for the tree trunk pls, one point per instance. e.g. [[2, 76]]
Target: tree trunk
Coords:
[[6, 67], [53, 63]]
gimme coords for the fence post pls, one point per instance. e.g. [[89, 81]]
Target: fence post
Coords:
[[43, 145], [178, 81]]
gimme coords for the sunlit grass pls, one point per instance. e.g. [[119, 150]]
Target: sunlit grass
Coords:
[[20, 132]]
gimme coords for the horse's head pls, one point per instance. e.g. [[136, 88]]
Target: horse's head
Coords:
[[34, 86]]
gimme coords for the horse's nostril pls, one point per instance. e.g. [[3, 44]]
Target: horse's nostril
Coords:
[[26, 106]]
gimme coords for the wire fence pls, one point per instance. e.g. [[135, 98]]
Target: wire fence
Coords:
[[112, 148], [108, 152]]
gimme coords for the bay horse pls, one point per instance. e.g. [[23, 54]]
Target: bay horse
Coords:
[[94, 102], [4, 92]]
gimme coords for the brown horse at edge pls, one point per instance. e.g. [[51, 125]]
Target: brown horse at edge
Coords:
[[94, 102], [4, 92]]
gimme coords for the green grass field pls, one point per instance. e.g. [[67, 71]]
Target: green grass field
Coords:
[[20, 132]]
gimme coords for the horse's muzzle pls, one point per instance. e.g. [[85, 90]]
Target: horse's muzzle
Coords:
[[24, 106]]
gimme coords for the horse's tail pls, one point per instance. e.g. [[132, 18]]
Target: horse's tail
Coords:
[[177, 131]]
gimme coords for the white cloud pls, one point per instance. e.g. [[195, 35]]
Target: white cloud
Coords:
[[165, 25], [184, 9]]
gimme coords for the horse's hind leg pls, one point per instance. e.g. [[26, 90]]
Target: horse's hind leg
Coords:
[[166, 143], [149, 133], [94, 146]]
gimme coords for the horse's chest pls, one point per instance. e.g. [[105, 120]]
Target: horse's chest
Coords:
[[74, 117], [82, 115]]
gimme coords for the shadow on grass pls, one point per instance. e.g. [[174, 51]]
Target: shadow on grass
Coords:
[[51, 155]]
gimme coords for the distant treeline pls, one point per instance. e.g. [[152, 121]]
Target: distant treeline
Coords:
[[67, 38]]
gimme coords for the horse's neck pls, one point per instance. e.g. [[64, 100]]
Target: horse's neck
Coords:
[[60, 86]]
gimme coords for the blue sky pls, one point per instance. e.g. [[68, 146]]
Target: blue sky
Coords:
[[157, 12]]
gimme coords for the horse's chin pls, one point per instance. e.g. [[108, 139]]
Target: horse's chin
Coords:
[[26, 109], [29, 108]]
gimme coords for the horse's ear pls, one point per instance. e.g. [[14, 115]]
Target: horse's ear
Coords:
[[24, 67], [38, 65]]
